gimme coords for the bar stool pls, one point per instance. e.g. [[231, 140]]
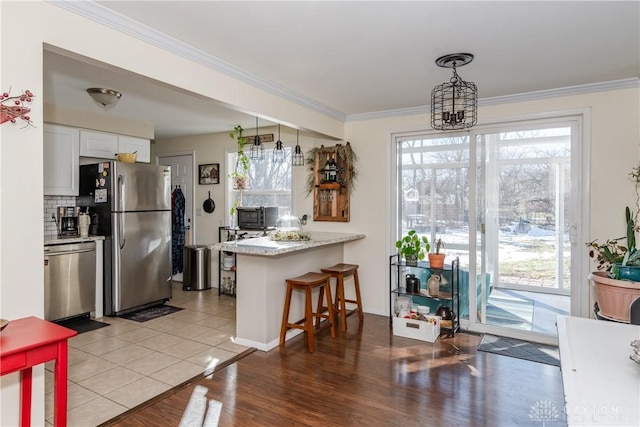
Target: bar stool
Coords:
[[340, 272], [307, 283]]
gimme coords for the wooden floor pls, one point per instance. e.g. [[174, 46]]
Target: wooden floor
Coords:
[[369, 377]]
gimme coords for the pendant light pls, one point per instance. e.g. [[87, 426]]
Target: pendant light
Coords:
[[278, 152], [297, 159], [454, 105], [257, 150]]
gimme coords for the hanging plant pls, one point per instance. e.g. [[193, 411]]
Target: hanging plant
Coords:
[[345, 155], [240, 175], [16, 108]]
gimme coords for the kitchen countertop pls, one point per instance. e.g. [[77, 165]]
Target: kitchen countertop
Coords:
[[53, 239], [265, 247]]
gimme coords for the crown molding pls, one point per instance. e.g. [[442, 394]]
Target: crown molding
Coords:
[[562, 91], [506, 99], [126, 25]]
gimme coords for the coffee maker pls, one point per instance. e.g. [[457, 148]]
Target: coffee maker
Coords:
[[68, 220]]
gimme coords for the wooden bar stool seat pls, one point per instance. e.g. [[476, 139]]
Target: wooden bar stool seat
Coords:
[[341, 272], [307, 283]]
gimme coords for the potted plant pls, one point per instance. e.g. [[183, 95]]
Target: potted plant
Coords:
[[619, 283], [436, 259], [240, 175], [413, 247]]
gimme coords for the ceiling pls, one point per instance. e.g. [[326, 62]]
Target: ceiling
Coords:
[[352, 60]]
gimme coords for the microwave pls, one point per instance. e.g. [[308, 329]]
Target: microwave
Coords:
[[257, 217]]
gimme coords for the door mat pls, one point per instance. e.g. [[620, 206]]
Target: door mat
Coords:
[[82, 324], [150, 313], [520, 349]]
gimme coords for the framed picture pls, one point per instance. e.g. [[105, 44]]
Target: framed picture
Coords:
[[209, 173]]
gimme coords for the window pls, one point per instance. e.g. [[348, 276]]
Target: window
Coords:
[[269, 182]]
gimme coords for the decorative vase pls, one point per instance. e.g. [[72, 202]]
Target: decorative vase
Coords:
[[614, 296], [436, 260], [434, 285], [412, 284], [411, 260]]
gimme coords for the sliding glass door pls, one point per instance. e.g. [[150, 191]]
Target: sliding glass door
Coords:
[[502, 200]]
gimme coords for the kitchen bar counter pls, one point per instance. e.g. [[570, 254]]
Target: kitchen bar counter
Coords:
[[53, 239], [263, 266], [266, 247]]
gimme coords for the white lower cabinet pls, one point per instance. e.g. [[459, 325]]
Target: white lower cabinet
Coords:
[[61, 160], [130, 144], [98, 144]]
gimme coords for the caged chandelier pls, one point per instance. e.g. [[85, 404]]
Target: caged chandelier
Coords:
[[454, 105]]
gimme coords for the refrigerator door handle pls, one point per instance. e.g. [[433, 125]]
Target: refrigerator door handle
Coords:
[[121, 230], [120, 200]]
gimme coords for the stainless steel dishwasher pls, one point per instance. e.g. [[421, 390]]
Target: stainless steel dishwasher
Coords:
[[69, 280]]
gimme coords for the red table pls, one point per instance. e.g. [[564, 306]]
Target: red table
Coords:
[[30, 341]]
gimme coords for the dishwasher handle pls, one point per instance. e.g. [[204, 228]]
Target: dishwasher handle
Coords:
[[67, 252]]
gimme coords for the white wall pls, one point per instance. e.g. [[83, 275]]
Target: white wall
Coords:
[[21, 231]]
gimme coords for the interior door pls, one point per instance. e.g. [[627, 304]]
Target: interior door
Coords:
[[182, 175]]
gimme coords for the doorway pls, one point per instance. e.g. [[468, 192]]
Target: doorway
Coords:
[[181, 179], [504, 199]]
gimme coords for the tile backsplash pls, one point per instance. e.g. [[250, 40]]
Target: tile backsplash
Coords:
[[50, 207]]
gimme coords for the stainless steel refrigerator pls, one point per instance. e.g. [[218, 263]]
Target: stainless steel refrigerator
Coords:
[[130, 204]]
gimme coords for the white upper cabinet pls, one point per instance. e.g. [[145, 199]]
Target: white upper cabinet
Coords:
[[130, 144], [61, 160], [98, 144]]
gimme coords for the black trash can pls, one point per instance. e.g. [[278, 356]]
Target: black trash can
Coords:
[[197, 261]]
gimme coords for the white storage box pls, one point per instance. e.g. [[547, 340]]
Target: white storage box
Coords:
[[417, 329]]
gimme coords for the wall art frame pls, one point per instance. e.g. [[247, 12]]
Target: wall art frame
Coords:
[[209, 173]]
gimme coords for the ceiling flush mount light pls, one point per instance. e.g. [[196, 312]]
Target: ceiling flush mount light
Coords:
[[257, 150], [297, 159], [454, 105], [278, 152], [108, 98]]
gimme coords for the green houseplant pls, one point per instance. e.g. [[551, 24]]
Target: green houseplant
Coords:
[[618, 285], [413, 247], [436, 259], [240, 175]]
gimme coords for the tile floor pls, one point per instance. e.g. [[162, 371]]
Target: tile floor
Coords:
[[118, 367]]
